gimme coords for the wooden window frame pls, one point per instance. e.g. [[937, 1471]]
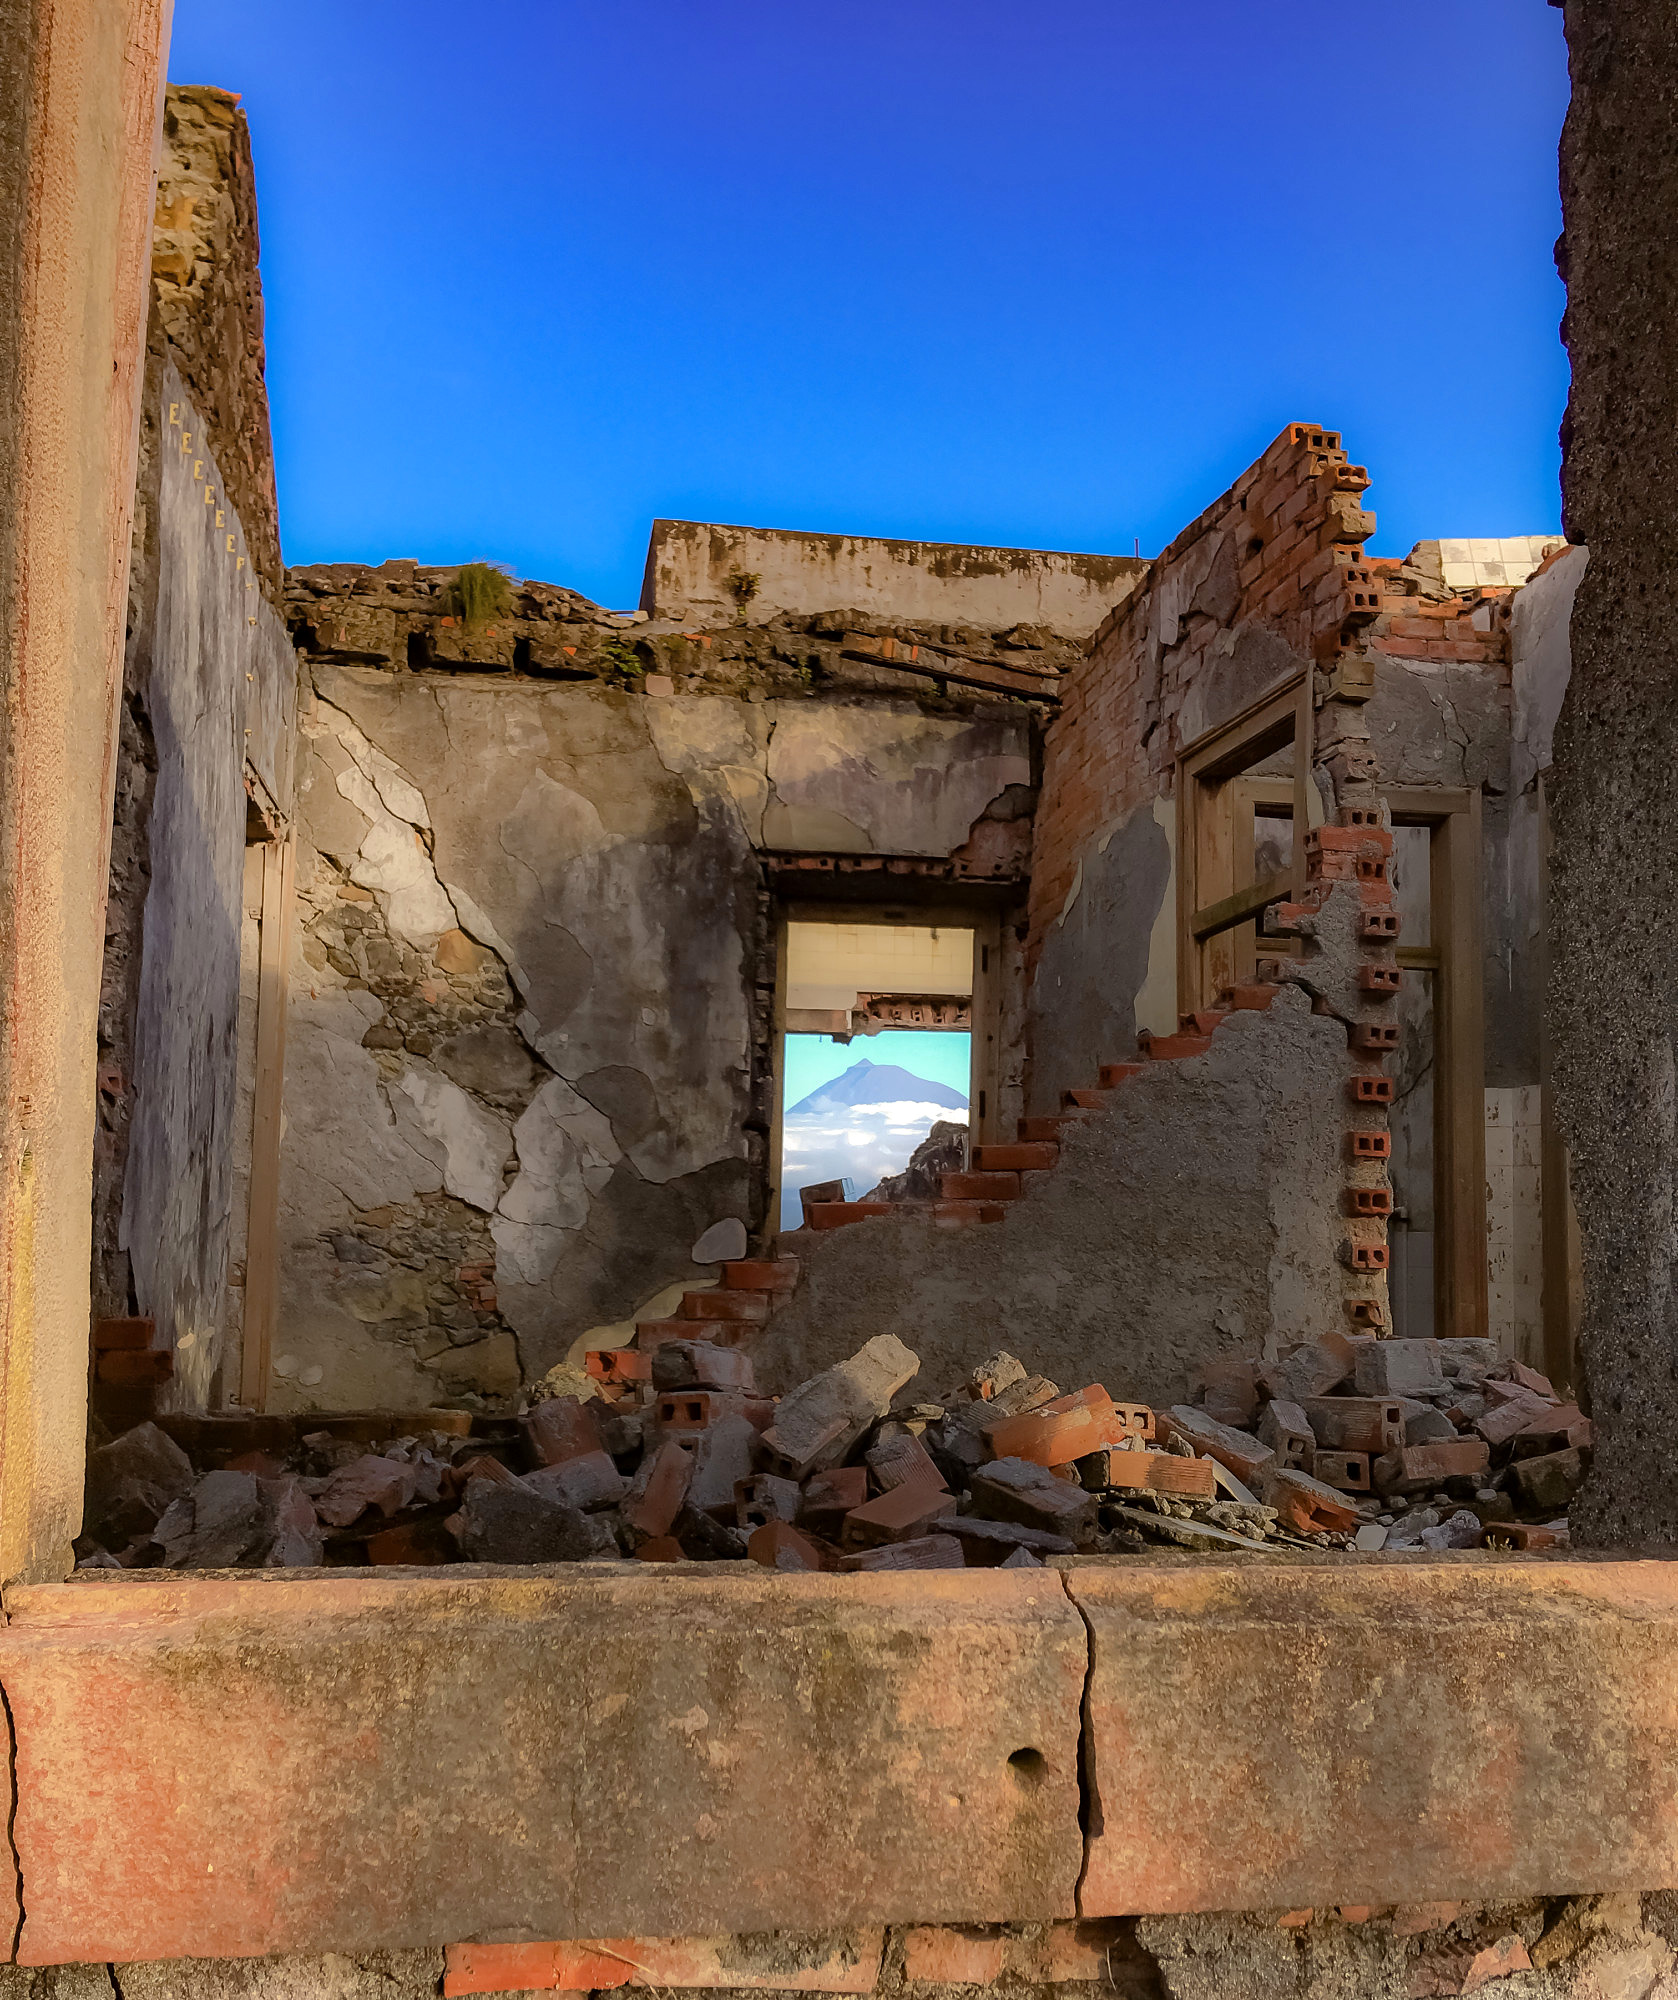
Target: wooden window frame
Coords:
[[1215, 892]]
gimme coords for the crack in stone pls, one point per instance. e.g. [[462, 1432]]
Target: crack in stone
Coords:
[[11, 1821]]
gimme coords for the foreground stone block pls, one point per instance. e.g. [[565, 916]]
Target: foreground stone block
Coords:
[[219, 1766], [1458, 1728], [829, 1962]]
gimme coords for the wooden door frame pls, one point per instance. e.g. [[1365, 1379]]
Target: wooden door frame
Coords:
[[1455, 956], [262, 1231]]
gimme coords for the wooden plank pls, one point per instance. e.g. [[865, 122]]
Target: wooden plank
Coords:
[[262, 1270], [983, 1126], [1245, 903], [1461, 1308]]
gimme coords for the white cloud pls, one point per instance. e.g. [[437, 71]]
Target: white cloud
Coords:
[[864, 1143]]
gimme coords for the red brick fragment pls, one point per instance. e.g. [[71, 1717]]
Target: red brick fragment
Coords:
[[896, 1516], [562, 1427], [779, 1545]]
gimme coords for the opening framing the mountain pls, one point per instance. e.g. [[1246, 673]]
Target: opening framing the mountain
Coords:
[[978, 1011]]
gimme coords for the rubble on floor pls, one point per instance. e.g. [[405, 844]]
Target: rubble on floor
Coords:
[[667, 1453]]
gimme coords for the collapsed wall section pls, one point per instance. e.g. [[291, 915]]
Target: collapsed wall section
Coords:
[[1194, 1216]]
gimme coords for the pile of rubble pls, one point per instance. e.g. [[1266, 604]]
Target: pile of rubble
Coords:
[[670, 1454]]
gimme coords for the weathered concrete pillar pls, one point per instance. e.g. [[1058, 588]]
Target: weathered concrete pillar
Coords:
[[1613, 998], [78, 138]]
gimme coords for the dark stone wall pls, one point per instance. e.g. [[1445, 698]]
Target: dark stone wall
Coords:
[[1613, 1004]]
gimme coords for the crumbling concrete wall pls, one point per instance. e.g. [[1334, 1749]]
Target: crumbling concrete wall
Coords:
[[1196, 1214], [703, 571], [209, 714], [523, 1065], [1613, 992]]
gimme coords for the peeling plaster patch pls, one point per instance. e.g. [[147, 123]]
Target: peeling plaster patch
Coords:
[[1072, 893], [339, 1128], [719, 750], [478, 927], [392, 858], [469, 1142], [904, 782], [566, 1153]]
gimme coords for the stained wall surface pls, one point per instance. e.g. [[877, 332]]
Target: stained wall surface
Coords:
[[520, 1073], [210, 688], [78, 133], [695, 569]]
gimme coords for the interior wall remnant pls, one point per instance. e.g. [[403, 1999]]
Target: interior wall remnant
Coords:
[[521, 1080], [78, 136], [705, 571], [1197, 1214], [1613, 990], [210, 714]]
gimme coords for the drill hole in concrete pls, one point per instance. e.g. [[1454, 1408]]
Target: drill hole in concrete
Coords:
[[1030, 1767]]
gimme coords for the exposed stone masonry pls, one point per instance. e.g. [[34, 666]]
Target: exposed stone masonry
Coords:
[[207, 300]]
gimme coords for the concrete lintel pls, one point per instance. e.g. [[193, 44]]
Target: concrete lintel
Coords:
[[1460, 1729], [226, 1766]]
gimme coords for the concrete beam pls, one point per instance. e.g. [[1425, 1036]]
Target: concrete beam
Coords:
[[1392, 1732], [78, 139], [226, 1766]]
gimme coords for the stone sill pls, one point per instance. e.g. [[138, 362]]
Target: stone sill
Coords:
[[237, 1764]]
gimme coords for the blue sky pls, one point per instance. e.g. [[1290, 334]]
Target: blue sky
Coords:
[[1045, 274]]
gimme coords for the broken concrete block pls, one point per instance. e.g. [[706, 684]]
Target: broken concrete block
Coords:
[[1060, 1431], [1399, 1368], [818, 1423], [1461, 1530], [1310, 1370], [991, 1377], [1506, 1419], [369, 1481], [701, 1364], [1420, 1468], [726, 1452], [131, 1481], [1358, 1423], [224, 1522], [658, 1490], [1248, 1459], [929, 1552], [1030, 1393], [590, 1480], [1429, 1426], [1305, 1505], [514, 1524], [1227, 1391], [1371, 1536], [1469, 1361], [298, 1541], [1021, 1559], [704, 1538], [830, 1496], [898, 1515], [1548, 1484], [779, 1545], [561, 1427], [902, 1461], [723, 1243], [1011, 1489], [1287, 1430], [763, 1498], [988, 1543]]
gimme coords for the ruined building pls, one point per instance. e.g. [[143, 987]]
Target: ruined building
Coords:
[[401, 1292]]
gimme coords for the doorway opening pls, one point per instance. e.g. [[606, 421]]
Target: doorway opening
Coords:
[[876, 1055]]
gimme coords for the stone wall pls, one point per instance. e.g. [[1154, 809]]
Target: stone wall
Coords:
[[705, 572], [207, 296], [528, 1057], [1613, 994], [208, 727]]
